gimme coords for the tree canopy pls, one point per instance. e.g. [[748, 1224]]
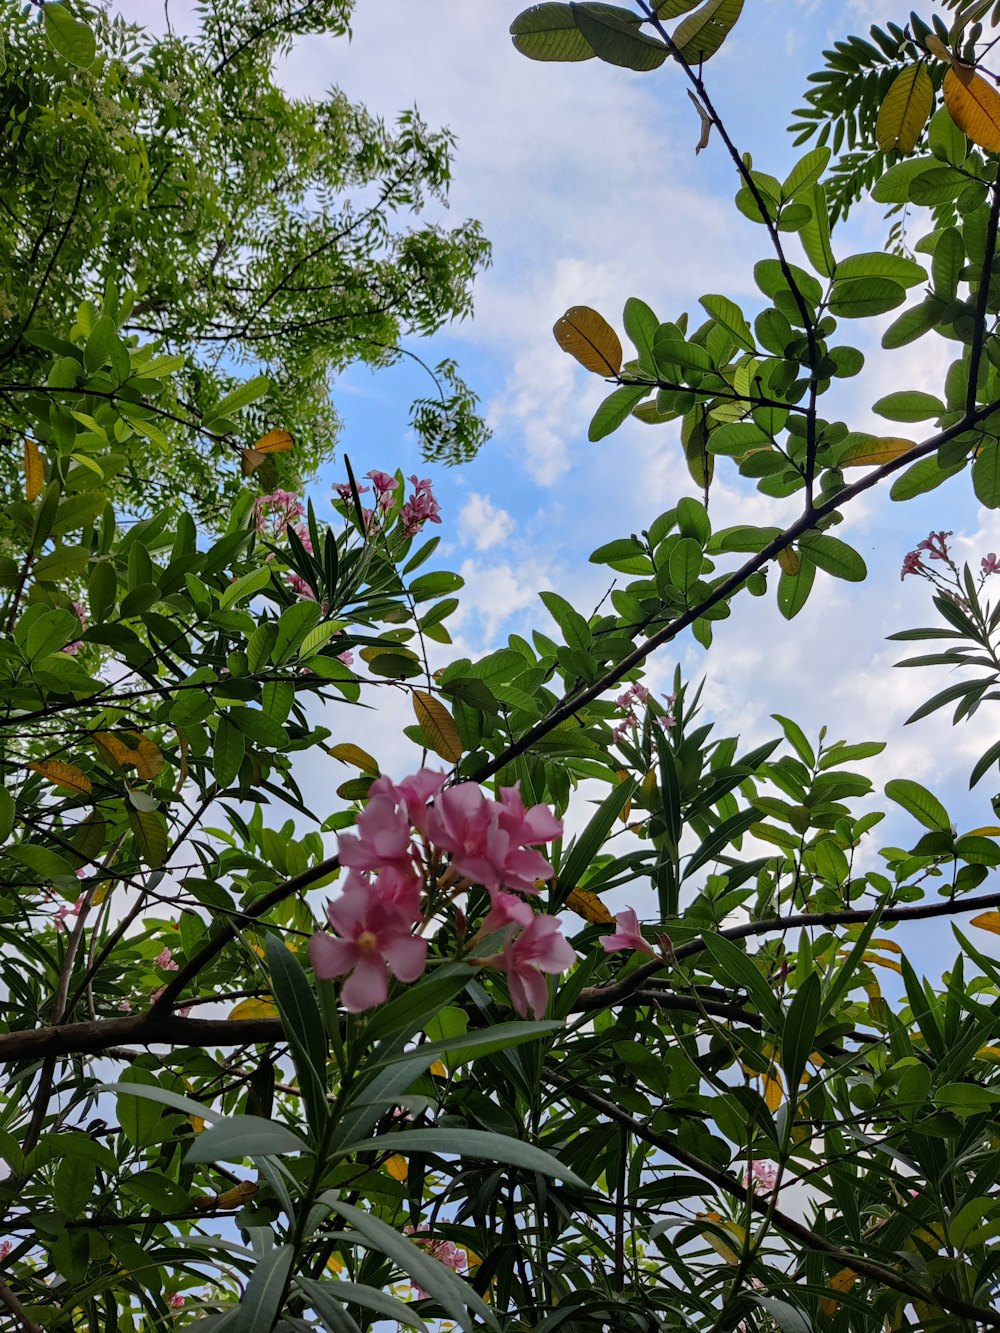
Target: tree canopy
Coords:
[[234, 224], [260, 1083]]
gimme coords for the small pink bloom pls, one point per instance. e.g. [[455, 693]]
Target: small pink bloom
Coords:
[[990, 564], [420, 508], [483, 837], [763, 1175], [373, 939], [627, 936], [302, 532], [936, 545], [444, 1251], [343, 489], [667, 721], [539, 948], [412, 794], [538, 824], [505, 911], [385, 838], [176, 1301], [911, 564], [301, 588], [125, 1006], [165, 961], [623, 729], [5, 1248], [347, 657]]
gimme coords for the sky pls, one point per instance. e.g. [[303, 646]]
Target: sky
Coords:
[[586, 181]]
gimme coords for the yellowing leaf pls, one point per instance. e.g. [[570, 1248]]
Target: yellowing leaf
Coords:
[[141, 754], [335, 1264], [34, 470], [974, 107], [874, 959], [987, 831], [250, 460], [873, 451], [590, 907], [253, 1008], [772, 1091], [841, 1282], [236, 1198], [397, 1167], [274, 442], [589, 337], [197, 1123], [991, 1054], [438, 726], [789, 561], [903, 113], [438, 1069], [101, 892], [717, 1243], [890, 945], [63, 775], [355, 756], [988, 921]]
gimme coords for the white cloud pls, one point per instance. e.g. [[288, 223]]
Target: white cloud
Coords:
[[482, 524]]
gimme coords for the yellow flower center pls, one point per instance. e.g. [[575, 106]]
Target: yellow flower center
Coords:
[[367, 941]]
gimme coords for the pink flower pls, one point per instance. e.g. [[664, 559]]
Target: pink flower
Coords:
[[346, 657], [444, 1251], [505, 911], [538, 824], [539, 948], [375, 938], [420, 508], [80, 611], [302, 532], [165, 961], [412, 794], [125, 1006], [301, 588], [936, 545], [463, 822], [990, 564], [763, 1175], [281, 507], [385, 838], [5, 1248], [176, 1301], [384, 484], [912, 564], [343, 489], [667, 721], [627, 936], [623, 729]]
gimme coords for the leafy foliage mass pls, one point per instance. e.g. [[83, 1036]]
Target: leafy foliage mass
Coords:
[[748, 1111], [248, 227]]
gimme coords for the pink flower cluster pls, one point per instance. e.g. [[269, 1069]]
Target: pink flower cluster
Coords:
[[276, 512], [444, 1251], [421, 507], [80, 611], [419, 844], [637, 695], [934, 546]]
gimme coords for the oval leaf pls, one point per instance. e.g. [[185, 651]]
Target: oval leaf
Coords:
[[549, 32], [438, 726], [974, 107], [588, 337], [64, 775], [903, 114], [701, 34]]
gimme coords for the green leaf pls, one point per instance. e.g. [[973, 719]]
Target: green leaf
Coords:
[[247, 586], [882, 264], [946, 266], [799, 1032], [986, 474], [70, 36], [228, 752], [175, 1100], [295, 623], [614, 35], [458, 1299], [831, 863], [794, 589], [815, 234], [304, 1028], [340, 1292], [834, 557], [237, 1137], [797, 739], [589, 842], [913, 323], [150, 831], [860, 298], [734, 964], [919, 802], [720, 837], [577, 632], [471, 1143], [73, 1186], [641, 325], [924, 475], [894, 186], [731, 317], [7, 812], [241, 397], [549, 32], [615, 409], [264, 1295], [701, 34], [909, 405], [806, 172]]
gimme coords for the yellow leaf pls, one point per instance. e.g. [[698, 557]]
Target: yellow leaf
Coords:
[[251, 460], [841, 1282], [34, 470], [590, 907], [789, 561], [589, 337], [717, 1243], [438, 726], [138, 752], [335, 1264], [988, 831], [891, 945], [236, 1198], [772, 1091], [438, 1069], [354, 755], [974, 106], [397, 1167], [988, 921], [873, 451], [874, 959], [274, 442], [253, 1008], [903, 113], [197, 1123], [649, 782], [63, 775], [100, 893], [991, 1054]]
